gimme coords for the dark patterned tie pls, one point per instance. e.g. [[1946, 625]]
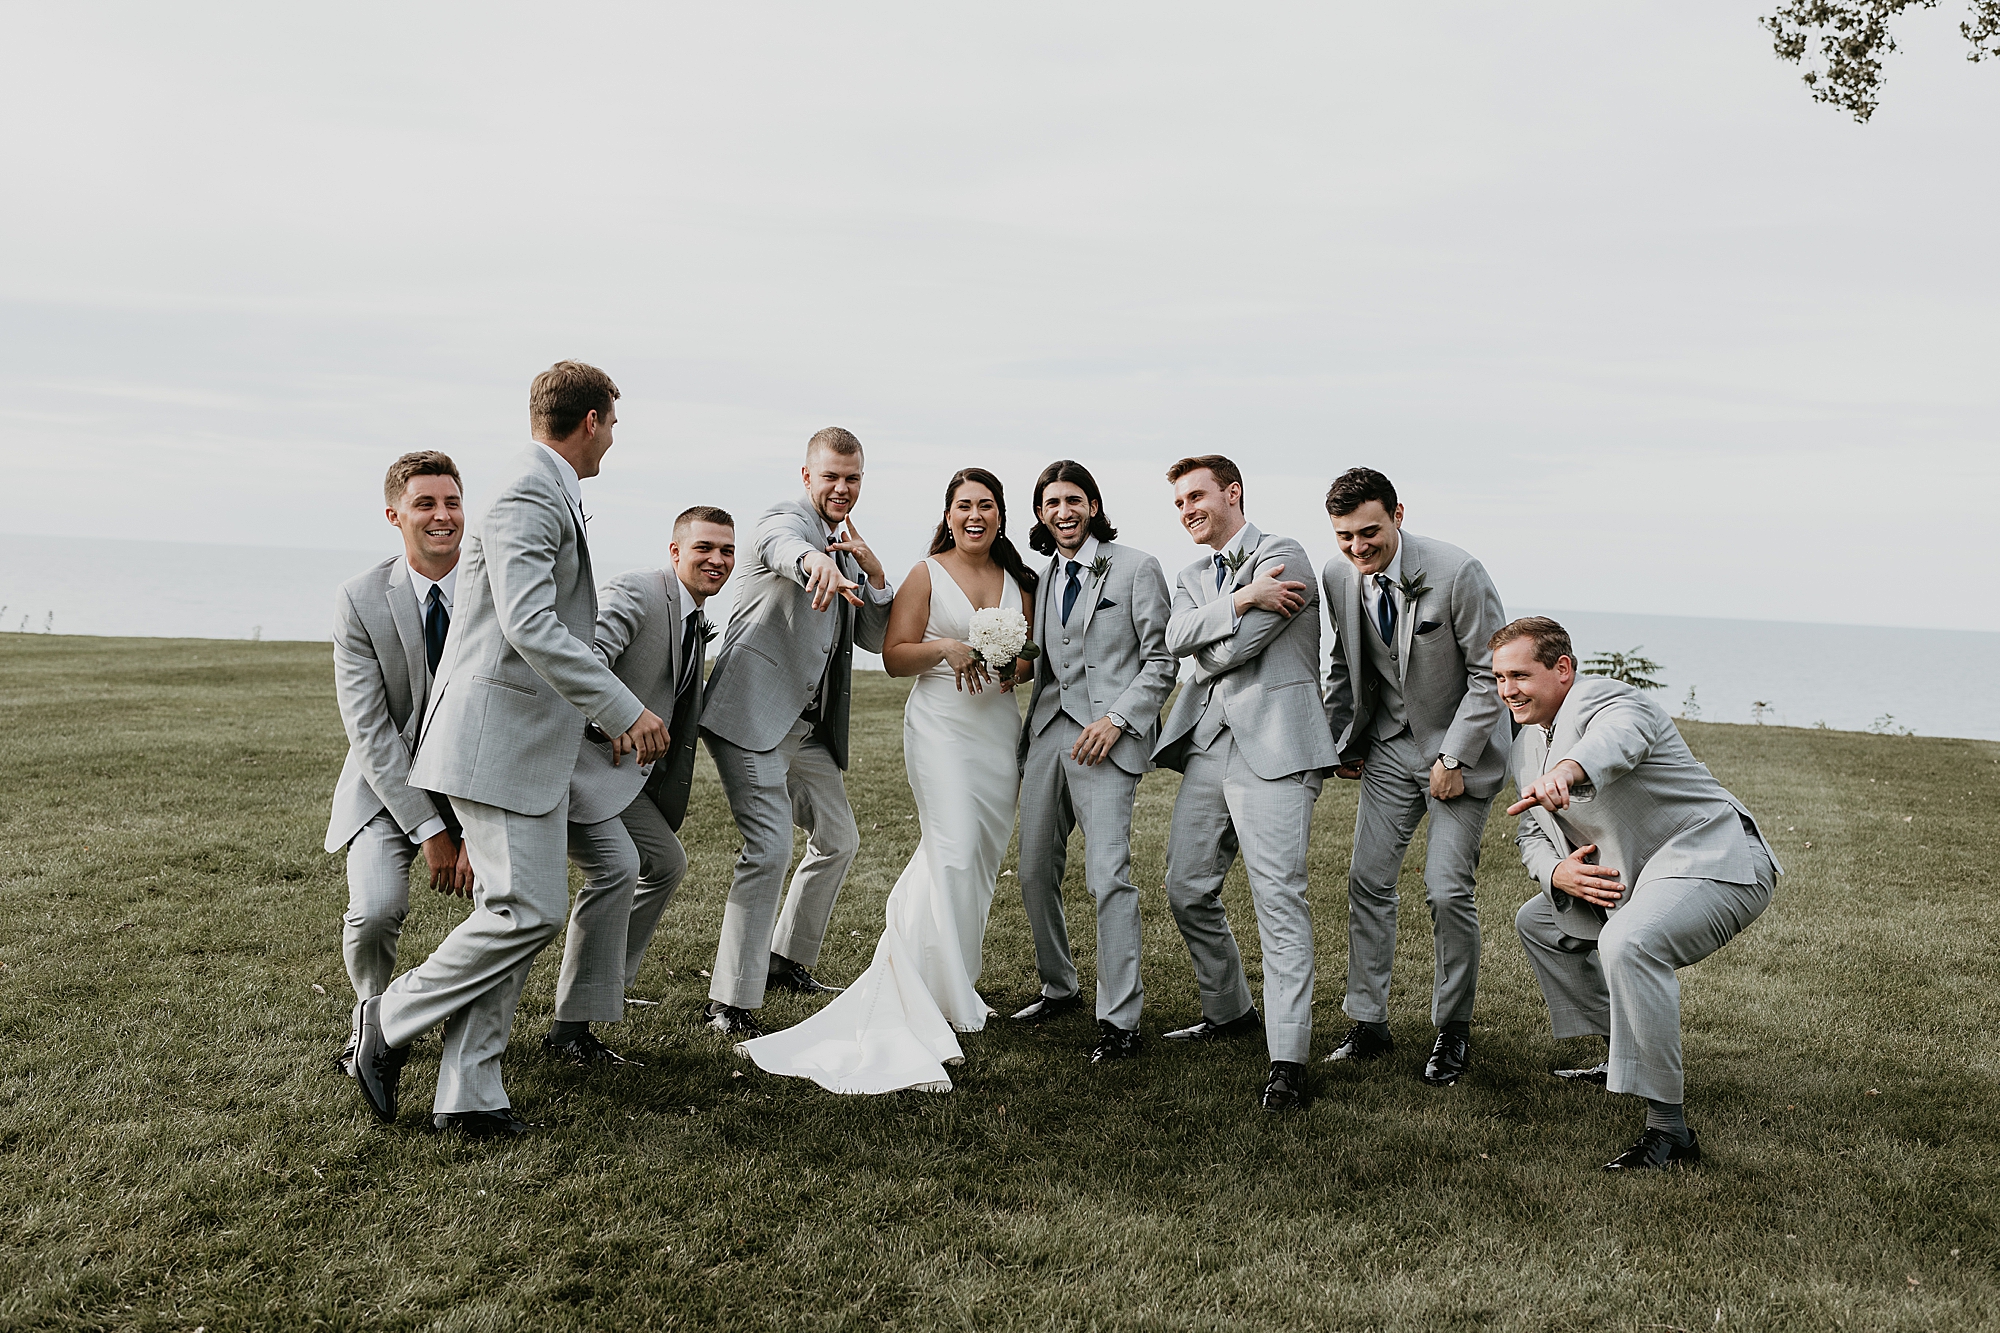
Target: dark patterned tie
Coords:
[[691, 655], [1070, 592], [1221, 570], [437, 622], [1385, 611]]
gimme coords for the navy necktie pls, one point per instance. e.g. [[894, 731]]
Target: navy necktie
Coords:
[[1070, 592], [1221, 570], [437, 620], [1385, 611]]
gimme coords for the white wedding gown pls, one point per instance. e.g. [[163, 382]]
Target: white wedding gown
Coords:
[[895, 1027]]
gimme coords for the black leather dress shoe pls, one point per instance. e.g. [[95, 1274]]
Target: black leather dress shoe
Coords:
[[1246, 1025], [500, 1124], [1450, 1054], [344, 1062], [1113, 1043], [731, 1021], [787, 975], [1284, 1087], [1599, 1073], [1655, 1150], [1361, 1043], [1046, 1007], [378, 1066], [586, 1049]]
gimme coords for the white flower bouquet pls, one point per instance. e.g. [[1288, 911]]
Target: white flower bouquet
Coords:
[[999, 634]]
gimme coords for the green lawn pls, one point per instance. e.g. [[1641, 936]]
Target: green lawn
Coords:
[[175, 1151]]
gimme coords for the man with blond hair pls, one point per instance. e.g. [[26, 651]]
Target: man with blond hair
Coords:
[[516, 687], [1647, 865], [776, 722]]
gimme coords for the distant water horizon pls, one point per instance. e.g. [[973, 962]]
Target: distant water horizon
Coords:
[[1847, 677]]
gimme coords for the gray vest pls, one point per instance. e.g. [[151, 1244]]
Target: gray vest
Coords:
[[1066, 658], [1391, 717]]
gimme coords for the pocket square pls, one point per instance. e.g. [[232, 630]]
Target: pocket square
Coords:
[[1428, 626], [1104, 602]]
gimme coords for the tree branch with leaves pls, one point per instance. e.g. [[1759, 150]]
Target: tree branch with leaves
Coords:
[[1842, 42]]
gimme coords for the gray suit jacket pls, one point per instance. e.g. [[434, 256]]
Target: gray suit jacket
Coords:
[[379, 678], [1649, 805], [777, 647], [1121, 623], [1263, 672], [639, 638], [518, 677], [1447, 669]]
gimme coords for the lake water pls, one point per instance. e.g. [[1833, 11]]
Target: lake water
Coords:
[[1934, 682]]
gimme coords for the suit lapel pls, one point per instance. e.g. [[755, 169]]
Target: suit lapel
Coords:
[[1539, 750], [1350, 629], [1092, 592], [410, 629], [674, 633], [1406, 627]]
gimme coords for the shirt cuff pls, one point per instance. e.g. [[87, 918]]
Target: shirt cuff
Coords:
[[427, 830]]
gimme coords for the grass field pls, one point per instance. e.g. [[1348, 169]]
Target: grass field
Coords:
[[175, 1151]]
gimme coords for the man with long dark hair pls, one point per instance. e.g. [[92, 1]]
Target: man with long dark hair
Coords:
[[1100, 681]]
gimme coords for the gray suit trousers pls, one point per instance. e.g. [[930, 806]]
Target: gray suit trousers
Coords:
[[1058, 793], [631, 866], [474, 980], [378, 899], [797, 783], [1222, 803], [1629, 989], [1395, 795]]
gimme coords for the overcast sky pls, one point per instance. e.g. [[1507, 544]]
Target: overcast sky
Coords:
[[1614, 303]]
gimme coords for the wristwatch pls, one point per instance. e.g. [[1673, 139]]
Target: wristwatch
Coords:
[[1117, 721], [1448, 762]]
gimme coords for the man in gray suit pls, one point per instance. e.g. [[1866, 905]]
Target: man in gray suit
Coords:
[[1647, 864], [1248, 734], [389, 627], [1103, 674], [514, 690], [1411, 704], [776, 723], [623, 816]]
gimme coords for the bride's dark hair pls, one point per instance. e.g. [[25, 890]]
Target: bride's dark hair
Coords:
[[1004, 554]]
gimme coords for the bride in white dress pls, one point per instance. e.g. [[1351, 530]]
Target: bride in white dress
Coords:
[[896, 1027]]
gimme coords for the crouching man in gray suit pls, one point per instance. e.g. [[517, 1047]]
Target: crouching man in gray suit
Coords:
[[389, 628], [776, 722], [1248, 734], [623, 816], [1647, 865], [514, 689], [1411, 703], [1102, 676]]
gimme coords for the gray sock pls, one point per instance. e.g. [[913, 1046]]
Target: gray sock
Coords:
[[560, 1032], [1379, 1029], [1667, 1116]]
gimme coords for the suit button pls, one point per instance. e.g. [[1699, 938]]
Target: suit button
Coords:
[[1065, 638]]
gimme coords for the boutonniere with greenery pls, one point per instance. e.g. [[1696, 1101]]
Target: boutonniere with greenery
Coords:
[[1413, 585], [1236, 563], [707, 632], [1099, 568]]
